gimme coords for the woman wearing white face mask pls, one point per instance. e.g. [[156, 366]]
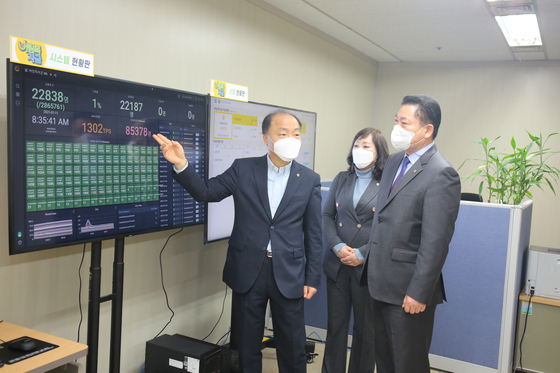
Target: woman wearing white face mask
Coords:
[[347, 220]]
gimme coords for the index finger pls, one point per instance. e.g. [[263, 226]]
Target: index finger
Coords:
[[162, 140]]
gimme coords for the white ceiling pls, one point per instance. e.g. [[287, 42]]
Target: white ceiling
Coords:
[[420, 30]]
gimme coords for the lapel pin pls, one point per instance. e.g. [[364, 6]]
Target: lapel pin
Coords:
[[377, 184], [414, 170], [297, 175], [373, 209]]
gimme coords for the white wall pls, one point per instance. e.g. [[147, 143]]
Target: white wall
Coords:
[[179, 44], [183, 44], [484, 100]]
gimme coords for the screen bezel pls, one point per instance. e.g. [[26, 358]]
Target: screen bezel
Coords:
[[13, 141]]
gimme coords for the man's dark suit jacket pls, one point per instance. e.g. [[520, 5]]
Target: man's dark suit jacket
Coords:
[[342, 223], [295, 231], [412, 229]]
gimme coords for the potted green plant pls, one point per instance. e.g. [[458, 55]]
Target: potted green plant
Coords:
[[510, 176]]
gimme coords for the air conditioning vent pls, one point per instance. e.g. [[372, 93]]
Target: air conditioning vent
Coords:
[[536, 48], [513, 10]]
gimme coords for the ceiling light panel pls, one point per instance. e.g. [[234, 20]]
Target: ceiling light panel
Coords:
[[520, 30]]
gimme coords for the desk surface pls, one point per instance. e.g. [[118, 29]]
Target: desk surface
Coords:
[[65, 353], [540, 300]]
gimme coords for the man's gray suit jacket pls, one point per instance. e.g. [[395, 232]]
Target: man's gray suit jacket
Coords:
[[412, 229]]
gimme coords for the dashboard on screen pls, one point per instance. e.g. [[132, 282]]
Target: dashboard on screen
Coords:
[[235, 132], [83, 165]]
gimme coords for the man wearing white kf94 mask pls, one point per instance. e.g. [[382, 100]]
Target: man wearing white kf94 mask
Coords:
[[275, 247], [287, 148], [402, 136], [417, 205]]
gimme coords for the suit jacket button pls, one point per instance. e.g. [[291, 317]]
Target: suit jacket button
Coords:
[[379, 221], [272, 227], [359, 225], [340, 224], [337, 204]]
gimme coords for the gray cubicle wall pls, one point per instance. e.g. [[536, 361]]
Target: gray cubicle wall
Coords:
[[316, 307], [474, 331]]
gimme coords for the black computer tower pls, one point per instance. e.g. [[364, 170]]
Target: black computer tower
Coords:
[[178, 353]]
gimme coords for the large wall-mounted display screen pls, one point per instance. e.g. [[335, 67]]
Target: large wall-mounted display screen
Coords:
[[235, 132], [83, 165]]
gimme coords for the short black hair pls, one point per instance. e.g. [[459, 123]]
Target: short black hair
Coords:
[[380, 146], [268, 119], [428, 110]]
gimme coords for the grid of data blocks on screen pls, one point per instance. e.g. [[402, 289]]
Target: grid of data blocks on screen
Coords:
[[62, 175]]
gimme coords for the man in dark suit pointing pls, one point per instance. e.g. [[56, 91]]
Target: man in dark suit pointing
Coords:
[[275, 248], [417, 206]]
